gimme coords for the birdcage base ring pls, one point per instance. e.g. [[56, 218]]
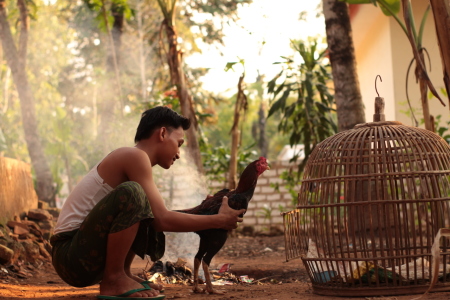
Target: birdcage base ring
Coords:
[[374, 291], [329, 282]]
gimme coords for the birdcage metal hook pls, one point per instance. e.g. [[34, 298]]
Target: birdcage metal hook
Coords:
[[376, 84]]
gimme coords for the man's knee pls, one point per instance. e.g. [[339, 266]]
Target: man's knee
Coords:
[[135, 192], [133, 186]]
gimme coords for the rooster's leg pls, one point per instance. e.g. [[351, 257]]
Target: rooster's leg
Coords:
[[209, 286], [215, 243], [197, 263], [202, 248]]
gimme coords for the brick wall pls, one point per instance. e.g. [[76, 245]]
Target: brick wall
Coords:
[[182, 190]]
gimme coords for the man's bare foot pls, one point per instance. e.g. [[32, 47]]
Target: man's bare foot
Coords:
[[154, 286], [116, 285]]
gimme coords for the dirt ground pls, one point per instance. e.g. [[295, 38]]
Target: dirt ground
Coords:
[[261, 258]]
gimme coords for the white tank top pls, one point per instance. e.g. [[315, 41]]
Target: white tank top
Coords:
[[86, 194]]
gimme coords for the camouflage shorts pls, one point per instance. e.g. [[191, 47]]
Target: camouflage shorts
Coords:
[[79, 256]]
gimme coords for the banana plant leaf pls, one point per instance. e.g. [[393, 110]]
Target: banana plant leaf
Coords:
[[408, 23]]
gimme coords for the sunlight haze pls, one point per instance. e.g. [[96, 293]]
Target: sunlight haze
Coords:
[[272, 22]]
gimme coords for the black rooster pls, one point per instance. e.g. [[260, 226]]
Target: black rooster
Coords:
[[212, 240]]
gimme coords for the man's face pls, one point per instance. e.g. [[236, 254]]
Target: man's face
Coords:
[[173, 139]]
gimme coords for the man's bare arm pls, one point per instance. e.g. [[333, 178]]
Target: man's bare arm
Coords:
[[137, 167]]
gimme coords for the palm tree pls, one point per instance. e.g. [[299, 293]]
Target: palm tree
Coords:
[[177, 75], [349, 105]]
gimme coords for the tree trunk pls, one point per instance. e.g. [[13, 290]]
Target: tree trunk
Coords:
[[16, 62], [262, 142], [232, 168], [261, 125], [441, 12], [240, 105], [350, 108], [423, 86], [175, 61]]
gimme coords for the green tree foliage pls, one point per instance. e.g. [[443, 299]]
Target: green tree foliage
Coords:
[[217, 160], [66, 65], [36, 85], [303, 102], [442, 130], [209, 29], [303, 99], [216, 141]]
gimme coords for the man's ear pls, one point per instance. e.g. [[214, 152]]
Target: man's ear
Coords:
[[162, 133]]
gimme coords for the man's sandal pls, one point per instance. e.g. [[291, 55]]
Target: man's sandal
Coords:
[[124, 296]]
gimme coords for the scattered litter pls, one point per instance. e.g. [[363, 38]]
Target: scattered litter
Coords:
[[169, 273], [267, 249], [244, 278], [368, 271], [224, 268], [179, 273], [154, 276], [325, 276], [222, 282]]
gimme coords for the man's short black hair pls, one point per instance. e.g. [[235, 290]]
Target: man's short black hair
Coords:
[[157, 117]]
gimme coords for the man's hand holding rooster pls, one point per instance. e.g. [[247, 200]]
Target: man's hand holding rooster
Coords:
[[230, 216]]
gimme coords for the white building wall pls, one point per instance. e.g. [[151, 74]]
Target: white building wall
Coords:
[[371, 37], [382, 48]]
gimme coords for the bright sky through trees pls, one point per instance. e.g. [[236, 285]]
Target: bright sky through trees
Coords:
[[269, 21]]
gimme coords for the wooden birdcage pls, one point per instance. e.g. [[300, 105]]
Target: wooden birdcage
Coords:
[[371, 203]]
